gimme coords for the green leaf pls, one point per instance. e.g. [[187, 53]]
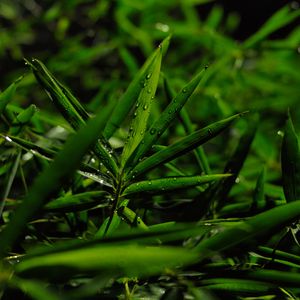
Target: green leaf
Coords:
[[76, 202], [181, 147], [164, 121], [71, 109], [259, 192], [281, 18], [7, 95], [188, 127], [220, 190], [50, 180], [250, 232], [290, 162], [124, 260], [143, 107], [170, 183], [128, 99]]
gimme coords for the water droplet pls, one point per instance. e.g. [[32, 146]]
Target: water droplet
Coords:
[[148, 76], [142, 132], [175, 100], [206, 67], [142, 82], [175, 178], [149, 91], [170, 111], [134, 115], [152, 131], [137, 105], [159, 132], [184, 90], [237, 180], [8, 139], [152, 97], [150, 183], [130, 129], [145, 84], [209, 131], [280, 133], [145, 107]]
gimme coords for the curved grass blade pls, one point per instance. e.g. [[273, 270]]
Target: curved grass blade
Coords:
[[220, 190], [290, 162], [50, 180], [249, 233], [134, 261], [188, 127], [240, 287], [181, 147], [7, 95], [143, 107], [76, 202], [165, 119], [170, 183], [128, 99], [71, 109], [280, 19]]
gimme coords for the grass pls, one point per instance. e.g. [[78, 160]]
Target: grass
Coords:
[[169, 188]]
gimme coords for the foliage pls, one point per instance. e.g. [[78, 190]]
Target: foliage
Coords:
[[176, 186]]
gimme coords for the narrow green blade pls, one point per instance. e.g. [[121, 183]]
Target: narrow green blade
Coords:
[[128, 99], [50, 180], [188, 127], [249, 233], [133, 261], [170, 183], [71, 110], [164, 121], [280, 19], [290, 162], [143, 107], [183, 146], [7, 95], [76, 202]]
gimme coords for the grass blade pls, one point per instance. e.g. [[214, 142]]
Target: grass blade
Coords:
[[134, 261], [183, 146], [165, 119], [290, 162], [7, 95], [170, 183], [50, 180], [280, 19], [143, 107], [188, 127], [76, 202], [220, 190], [252, 231], [128, 99], [71, 109]]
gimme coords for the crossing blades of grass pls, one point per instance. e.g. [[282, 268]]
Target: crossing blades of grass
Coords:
[[170, 183], [183, 146], [168, 115], [48, 154], [7, 95], [143, 107], [250, 232], [22, 119], [51, 179], [71, 109], [220, 190], [188, 127], [128, 99], [290, 162]]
